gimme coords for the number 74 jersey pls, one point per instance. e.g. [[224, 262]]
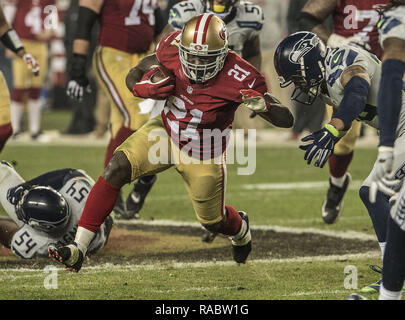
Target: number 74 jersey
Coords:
[[339, 59], [195, 110]]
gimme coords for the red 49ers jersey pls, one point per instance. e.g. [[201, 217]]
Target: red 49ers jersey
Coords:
[[127, 25], [30, 17], [359, 17], [195, 110]]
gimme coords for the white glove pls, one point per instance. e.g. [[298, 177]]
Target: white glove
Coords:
[[383, 179], [254, 100], [336, 40], [33, 65]]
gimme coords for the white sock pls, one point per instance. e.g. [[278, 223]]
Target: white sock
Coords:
[[389, 295], [16, 110], [83, 238], [382, 247], [34, 111], [338, 181]]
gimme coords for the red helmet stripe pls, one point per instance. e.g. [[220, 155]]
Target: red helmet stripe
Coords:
[[207, 23], [200, 33]]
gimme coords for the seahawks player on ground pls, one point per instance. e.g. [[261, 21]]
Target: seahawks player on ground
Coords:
[[44, 210], [347, 78]]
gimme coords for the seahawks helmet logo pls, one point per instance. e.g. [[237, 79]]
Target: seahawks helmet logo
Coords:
[[301, 48]]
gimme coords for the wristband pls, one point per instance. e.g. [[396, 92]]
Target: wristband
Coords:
[[12, 41], [332, 130]]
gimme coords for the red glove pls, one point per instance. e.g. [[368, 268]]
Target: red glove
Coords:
[[159, 90]]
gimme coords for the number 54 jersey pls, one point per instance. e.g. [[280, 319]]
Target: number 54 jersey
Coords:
[[75, 187], [337, 60], [194, 110]]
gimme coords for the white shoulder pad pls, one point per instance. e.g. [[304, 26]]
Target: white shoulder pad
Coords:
[[183, 11], [250, 15]]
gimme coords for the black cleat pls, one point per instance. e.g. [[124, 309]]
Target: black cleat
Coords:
[[242, 246], [355, 296], [69, 255], [137, 197], [119, 208], [333, 204], [208, 236]]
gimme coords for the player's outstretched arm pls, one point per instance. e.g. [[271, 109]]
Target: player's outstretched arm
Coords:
[[277, 114], [268, 107], [11, 41]]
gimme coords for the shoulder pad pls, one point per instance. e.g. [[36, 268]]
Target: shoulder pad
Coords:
[[250, 16]]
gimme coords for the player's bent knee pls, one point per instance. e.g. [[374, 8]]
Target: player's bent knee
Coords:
[[118, 170]]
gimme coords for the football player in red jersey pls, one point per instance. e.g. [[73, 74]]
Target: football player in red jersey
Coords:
[[11, 41], [207, 84], [354, 21], [32, 21], [127, 31]]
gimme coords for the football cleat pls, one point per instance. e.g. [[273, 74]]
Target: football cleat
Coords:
[[119, 208], [242, 245], [137, 198], [355, 296], [69, 255], [374, 287], [333, 204], [208, 236]]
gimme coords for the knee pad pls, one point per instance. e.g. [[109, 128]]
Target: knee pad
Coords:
[[118, 171], [215, 227]]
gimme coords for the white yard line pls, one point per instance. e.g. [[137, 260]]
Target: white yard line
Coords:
[[201, 264], [355, 185], [336, 234]]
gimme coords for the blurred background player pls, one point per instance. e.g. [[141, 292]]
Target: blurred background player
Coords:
[[127, 31], [31, 20], [244, 21], [11, 41], [354, 21], [44, 210], [307, 117]]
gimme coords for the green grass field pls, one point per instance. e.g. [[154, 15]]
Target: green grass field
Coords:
[[317, 277]]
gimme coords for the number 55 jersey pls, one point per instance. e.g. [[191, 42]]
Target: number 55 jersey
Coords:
[[194, 110], [74, 186]]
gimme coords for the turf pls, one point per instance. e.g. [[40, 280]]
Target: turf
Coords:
[[168, 199]]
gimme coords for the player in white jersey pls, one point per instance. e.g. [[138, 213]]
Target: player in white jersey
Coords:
[[244, 21], [390, 101], [348, 78], [61, 195]]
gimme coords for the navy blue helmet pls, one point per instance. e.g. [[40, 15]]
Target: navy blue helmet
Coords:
[[300, 59], [43, 208]]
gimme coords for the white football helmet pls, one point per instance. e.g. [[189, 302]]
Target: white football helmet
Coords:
[[203, 47]]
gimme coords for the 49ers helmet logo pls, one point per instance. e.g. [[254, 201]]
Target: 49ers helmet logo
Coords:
[[223, 33]]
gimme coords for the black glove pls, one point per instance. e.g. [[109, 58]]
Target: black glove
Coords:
[[322, 145], [78, 79]]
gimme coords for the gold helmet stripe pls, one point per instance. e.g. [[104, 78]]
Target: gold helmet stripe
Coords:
[[200, 34]]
